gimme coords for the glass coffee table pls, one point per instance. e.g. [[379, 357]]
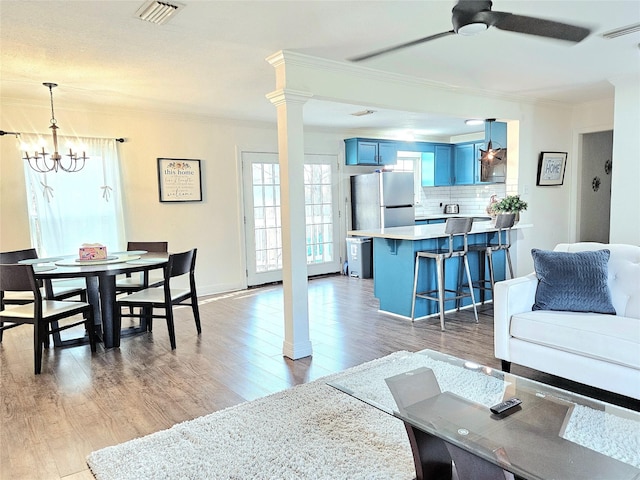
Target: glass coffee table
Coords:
[[445, 403]]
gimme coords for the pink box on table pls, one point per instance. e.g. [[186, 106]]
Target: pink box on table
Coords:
[[93, 252]]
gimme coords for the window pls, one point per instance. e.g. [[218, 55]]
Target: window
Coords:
[[411, 162], [69, 209], [319, 212]]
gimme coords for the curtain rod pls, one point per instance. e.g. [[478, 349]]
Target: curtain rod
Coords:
[[17, 134]]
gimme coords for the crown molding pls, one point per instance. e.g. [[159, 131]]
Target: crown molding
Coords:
[[289, 57]]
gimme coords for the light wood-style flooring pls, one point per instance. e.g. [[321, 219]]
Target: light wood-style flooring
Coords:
[[49, 423]]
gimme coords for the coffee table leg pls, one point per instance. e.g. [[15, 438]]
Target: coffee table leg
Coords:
[[430, 455], [471, 467]]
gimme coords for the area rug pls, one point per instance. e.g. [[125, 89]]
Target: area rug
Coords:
[[311, 431], [314, 431]]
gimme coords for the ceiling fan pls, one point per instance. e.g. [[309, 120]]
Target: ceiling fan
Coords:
[[474, 16]]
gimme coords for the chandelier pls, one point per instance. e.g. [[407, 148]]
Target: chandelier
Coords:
[[39, 161]]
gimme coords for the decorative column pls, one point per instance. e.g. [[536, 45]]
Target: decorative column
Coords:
[[289, 105]]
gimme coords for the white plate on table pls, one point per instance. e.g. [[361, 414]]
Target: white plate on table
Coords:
[[146, 261], [131, 253], [43, 268], [76, 262], [36, 261]]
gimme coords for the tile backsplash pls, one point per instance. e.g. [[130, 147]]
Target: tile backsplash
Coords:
[[473, 199]]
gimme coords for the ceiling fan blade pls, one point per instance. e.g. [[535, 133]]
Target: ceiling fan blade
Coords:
[[403, 45], [538, 26]]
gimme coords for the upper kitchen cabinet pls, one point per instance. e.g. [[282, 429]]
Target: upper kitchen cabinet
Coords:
[[497, 132], [464, 164], [443, 165], [436, 164], [364, 151]]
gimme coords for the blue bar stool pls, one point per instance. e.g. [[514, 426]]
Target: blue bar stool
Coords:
[[504, 223], [454, 226]]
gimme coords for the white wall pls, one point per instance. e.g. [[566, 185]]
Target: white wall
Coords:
[[214, 225], [625, 195]]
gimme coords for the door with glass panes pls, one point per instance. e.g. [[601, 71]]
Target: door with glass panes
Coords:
[[263, 228]]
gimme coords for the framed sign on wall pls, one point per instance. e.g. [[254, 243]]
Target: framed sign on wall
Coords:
[[551, 167], [179, 180]]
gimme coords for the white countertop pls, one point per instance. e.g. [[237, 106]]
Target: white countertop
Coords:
[[449, 215], [424, 232]]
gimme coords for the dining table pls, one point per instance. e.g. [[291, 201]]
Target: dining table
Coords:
[[100, 278]]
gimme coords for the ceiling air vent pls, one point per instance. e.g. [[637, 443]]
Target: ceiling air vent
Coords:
[[618, 32], [158, 12]]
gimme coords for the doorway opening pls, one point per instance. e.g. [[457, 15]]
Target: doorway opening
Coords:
[[595, 187]]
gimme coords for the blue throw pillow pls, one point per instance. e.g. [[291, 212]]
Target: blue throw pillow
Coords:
[[575, 282]]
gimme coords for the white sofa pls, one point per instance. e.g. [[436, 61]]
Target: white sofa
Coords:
[[591, 348]]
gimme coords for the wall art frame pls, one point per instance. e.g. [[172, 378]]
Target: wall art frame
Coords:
[[179, 180], [551, 168]]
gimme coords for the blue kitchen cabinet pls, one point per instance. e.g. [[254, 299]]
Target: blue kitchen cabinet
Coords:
[[364, 151], [443, 171], [464, 164], [436, 164], [498, 132], [427, 168]]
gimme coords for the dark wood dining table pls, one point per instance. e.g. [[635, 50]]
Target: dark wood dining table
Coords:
[[100, 278]]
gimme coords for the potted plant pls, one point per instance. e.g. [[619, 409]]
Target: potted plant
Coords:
[[509, 204]]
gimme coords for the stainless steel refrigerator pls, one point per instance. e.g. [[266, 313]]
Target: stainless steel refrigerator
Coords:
[[382, 199]]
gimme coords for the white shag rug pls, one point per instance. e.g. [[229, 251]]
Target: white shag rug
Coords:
[[313, 431]]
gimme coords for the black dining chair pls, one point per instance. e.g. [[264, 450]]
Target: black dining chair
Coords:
[[130, 284], [164, 297], [62, 289], [44, 315]]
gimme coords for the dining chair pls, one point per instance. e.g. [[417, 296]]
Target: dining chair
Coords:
[[130, 284], [164, 297], [42, 314], [62, 289]]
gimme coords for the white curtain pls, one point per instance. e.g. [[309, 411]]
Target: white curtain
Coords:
[[69, 209]]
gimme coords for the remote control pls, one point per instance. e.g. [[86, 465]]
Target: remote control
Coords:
[[506, 405]]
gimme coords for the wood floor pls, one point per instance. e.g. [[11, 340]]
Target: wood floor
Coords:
[[83, 402]]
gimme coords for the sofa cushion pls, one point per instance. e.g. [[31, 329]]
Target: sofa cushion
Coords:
[[575, 282], [624, 273], [610, 338]]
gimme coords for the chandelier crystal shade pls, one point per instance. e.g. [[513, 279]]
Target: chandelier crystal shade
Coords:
[[39, 161]]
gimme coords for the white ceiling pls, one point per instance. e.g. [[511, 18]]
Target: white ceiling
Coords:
[[210, 58]]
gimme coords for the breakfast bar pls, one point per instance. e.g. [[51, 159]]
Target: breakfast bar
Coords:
[[394, 253]]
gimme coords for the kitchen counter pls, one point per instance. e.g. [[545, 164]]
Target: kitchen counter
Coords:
[[394, 256], [424, 232], [444, 216]]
